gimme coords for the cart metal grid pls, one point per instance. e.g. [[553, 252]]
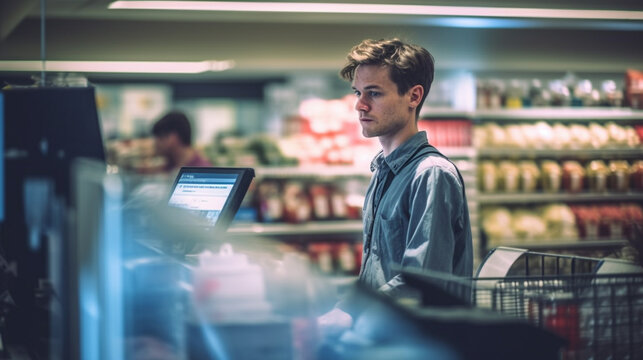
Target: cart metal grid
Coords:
[[601, 316]]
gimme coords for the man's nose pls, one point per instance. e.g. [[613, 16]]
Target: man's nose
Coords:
[[361, 105]]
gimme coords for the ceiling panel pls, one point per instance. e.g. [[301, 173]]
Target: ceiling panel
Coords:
[[283, 43]]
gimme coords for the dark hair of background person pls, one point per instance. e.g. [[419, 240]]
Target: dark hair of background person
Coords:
[[409, 64], [174, 122]]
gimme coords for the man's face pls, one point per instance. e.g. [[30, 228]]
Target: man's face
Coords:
[[164, 144], [383, 112]]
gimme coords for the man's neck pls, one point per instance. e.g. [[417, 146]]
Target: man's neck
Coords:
[[389, 144]]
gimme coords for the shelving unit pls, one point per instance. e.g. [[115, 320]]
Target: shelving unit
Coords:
[[560, 114], [622, 116], [467, 159], [324, 171], [535, 198], [609, 153], [539, 113], [346, 227]]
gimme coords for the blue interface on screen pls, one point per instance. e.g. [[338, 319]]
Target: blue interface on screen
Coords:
[[203, 194]]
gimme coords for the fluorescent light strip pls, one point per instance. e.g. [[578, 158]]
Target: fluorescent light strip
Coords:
[[348, 8], [154, 67]]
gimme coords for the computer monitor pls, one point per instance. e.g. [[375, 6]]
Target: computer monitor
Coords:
[[213, 193]]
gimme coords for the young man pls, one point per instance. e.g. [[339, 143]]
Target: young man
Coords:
[[173, 140], [415, 212]]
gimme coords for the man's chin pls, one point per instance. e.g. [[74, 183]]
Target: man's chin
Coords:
[[368, 134]]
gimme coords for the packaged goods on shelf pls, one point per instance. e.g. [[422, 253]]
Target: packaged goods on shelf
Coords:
[[487, 176], [529, 175], [527, 225], [299, 201], [571, 176], [560, 221], [618, 179], [562, 138], [335, 258], [634, 88], [552, 176], [297, 205], [607, 221], [509, 178], [496, 223], [269, 201], [328, 133], [135, 155], [557, 136], [597, 173], [636, 175], [568, 91], [505, 225], [258, 150], [447, 133]]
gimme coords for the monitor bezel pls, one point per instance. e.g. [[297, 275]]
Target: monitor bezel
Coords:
[[237, 193]]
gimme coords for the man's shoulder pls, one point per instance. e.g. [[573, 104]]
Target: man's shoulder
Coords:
[[432, 161]]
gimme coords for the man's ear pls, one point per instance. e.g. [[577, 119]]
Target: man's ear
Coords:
[[415, 96]]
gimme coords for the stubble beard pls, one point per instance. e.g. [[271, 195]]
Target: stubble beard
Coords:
[[388, 130]]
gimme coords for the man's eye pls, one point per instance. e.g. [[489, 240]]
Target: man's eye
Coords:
[[373, 93], [356, 92]]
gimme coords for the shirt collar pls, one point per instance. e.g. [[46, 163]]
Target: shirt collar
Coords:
[[396, 159]]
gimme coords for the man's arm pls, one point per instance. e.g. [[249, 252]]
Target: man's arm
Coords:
[[436, 203]]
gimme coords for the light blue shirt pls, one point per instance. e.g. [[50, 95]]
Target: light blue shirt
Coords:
[[421, 221]]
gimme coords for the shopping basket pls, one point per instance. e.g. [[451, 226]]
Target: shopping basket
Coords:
[[599, 312]]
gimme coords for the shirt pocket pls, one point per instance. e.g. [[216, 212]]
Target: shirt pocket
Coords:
[[391, 237]]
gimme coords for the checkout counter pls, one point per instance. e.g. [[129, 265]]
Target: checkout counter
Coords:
[[150, 281]]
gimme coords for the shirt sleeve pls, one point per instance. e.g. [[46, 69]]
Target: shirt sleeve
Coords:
[[435, 205]]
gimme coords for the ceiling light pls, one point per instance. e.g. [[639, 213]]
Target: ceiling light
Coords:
[[388, 9], [154, 67]]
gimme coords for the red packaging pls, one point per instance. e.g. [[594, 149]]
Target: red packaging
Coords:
[[338, 206], [321, 255], [636, 176], [632, 215], [269, 201], [634, 88], [358, 250], [297, 206], [320, 199], [611, 222], [587, 221], [345, 258]]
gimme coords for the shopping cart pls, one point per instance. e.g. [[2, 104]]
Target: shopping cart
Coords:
[[595, 304]]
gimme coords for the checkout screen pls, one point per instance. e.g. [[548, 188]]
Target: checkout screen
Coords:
[[204, 194]]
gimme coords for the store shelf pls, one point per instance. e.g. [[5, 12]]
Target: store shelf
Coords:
[[610, 153], [458, 152], [570, 244], [347, 170], [539, 113], [519, 198], [317, 171], [442, 113], [309, 228], [561, 113]]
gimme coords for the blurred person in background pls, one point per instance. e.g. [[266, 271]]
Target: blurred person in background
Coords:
[[173, 140], [415, 211]]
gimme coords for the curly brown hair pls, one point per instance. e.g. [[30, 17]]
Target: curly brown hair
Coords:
[[408, 64]]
